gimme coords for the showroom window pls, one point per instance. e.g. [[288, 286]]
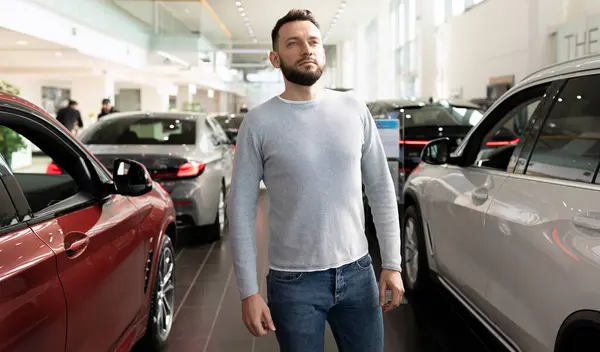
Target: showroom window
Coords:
[[471, 3], [458, 7], [439, 61], [439, 12], [394, 24], [371, 60], [411, 19], [568, 147], [406, 50], [401, 36]]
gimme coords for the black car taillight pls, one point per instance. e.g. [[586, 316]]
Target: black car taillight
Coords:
[[190, 169], [405, 142], [502, 143]]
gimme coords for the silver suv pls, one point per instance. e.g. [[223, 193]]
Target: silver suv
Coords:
[[513, 231]]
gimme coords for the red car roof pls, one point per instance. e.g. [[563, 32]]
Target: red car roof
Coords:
[[4, 96]]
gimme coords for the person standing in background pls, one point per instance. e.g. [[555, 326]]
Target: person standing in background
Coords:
[[70, 117], [320, 269], [107, 108]]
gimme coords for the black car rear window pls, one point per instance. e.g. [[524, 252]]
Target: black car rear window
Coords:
[[142, 130], [230, 122], [431, 115]]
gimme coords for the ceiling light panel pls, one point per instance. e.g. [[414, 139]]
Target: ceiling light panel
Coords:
[[244, 15], [335, 18]]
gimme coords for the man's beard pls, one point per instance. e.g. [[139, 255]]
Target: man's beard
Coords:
[[303, 78]]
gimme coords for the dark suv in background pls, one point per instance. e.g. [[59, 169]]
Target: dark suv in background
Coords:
[[231, 124], [422, 120]]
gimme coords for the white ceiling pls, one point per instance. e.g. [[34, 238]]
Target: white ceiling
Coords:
[[227, 28], [222, 20], [10, 40], [219, 20], [26, 55], [26, 51], [262, 16]]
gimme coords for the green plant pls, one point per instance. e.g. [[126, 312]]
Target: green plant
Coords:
[[193, 106], [9, 88], [10, 141]]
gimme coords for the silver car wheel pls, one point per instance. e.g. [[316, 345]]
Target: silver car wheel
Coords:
[[221, 211], [411, 253], [165, 296]]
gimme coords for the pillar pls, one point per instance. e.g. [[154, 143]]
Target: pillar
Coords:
[[185, 94], [30, 88], [155, 98], [427, 53], [385, 61], [88, 92], [347, 62]]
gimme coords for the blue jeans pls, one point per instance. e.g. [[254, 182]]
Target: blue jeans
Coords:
[[347, 297]]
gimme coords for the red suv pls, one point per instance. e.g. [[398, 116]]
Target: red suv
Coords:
[[86, 257]]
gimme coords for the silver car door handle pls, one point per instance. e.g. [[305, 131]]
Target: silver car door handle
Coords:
[[590, 221]]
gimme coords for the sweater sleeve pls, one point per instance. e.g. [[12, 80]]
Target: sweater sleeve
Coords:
[[381, 194], [244, 192]]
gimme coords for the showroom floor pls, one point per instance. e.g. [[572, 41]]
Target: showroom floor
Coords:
[[208, 315]]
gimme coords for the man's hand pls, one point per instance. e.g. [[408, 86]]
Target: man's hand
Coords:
[[390, 280], [256, 315]]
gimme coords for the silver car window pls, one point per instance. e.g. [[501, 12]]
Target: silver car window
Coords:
[[143, 130], [568, 146]]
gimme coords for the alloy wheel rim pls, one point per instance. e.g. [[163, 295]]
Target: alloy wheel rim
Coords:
[[221, 211], [411, 253], [166, 294]]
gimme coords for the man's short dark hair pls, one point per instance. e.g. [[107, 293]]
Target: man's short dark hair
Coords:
[[72, 103], [105, 101], [292, 16]]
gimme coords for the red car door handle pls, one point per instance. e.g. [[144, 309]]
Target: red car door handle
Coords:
[[77, 247]]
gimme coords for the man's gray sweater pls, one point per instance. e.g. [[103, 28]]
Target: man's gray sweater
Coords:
[[313, 157]]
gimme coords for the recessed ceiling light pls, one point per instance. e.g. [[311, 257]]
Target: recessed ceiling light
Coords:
[[238, 3], [240, 9], [22, 42], [243, 14]]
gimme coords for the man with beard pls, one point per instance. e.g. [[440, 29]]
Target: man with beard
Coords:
[[106, 109], [313, 148]]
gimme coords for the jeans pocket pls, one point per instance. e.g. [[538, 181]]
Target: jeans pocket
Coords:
[[364, 262], [285, 276]]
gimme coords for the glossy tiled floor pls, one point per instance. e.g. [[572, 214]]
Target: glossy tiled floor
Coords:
[[208, 314]]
